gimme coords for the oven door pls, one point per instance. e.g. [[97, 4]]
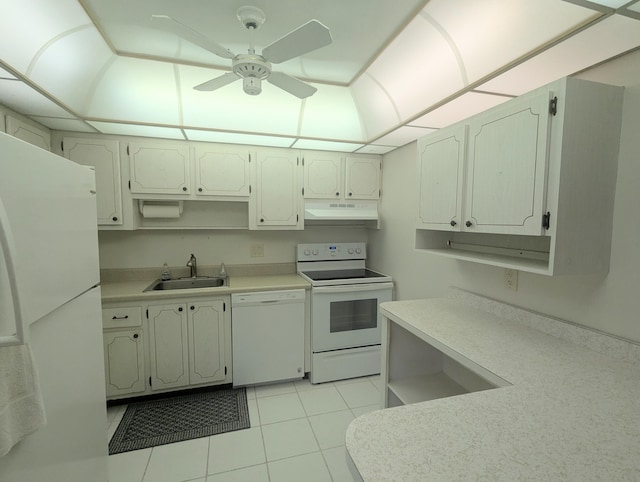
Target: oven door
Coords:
[[347, 316]]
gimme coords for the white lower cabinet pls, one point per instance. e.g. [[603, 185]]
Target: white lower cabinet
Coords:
[[166, 345]]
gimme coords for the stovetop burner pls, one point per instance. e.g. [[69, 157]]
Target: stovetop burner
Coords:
[[342, 274]]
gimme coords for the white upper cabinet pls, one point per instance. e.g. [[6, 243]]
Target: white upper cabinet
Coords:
[[527, 185], [362, 178], [440, 178], [323, 175], [507, 167], [329, 175], [222, 171], [277, 200], [28, 133], [104, 156], [159, 168]]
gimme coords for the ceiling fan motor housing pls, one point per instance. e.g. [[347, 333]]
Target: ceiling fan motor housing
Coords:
[[251, 69]]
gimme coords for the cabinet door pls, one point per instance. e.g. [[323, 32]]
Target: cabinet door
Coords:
[[507, 167], [206, 341], [159, 168], [28, 133], [168, 346], [104, 157], [124, 362], [222, 171], [362, 178], [440, 179], [322, 175], [278, 197]]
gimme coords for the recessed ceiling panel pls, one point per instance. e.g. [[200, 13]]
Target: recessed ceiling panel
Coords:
[[137, 130], [69, 67], [229, 108], [23, 99], [459, 109], [360, 28], [138, 91], [377, 112], [331, 113], [574, 54], [418, 69], [234, 138], [27, 26], [490, 34]]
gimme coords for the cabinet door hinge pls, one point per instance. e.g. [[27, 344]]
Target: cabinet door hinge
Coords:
[[62, 146], [303, 162], [297, 161], [249, 188], [127, 150], [225, 370], [147, 313], [303, 191], [129, 184], [150, 384], [249, 157], [224, 306], [553, 106], [546, 220], [297, 218]]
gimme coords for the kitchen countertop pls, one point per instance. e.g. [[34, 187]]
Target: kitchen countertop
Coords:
[[133, 290], [571, 413]]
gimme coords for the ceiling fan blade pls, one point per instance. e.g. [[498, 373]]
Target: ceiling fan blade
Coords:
[[292, 85], [171, 25], [217, 82], [310, 36]]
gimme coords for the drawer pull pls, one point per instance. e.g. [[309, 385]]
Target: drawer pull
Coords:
[[125, 317]]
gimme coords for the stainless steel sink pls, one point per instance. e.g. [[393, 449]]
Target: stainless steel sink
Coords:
[[186, 284]]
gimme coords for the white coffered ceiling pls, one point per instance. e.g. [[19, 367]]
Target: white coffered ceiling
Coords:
[[395, 70]]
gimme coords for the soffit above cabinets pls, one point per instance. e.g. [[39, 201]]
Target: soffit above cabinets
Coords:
[[395, 70]]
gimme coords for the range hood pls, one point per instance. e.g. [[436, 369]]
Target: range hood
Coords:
[[340, 211]]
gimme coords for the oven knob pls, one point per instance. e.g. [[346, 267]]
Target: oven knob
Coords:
[[358, 250], [315, 252], [307, 252], [350, 250]]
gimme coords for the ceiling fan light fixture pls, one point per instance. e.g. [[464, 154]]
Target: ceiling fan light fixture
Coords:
[[252, 85]]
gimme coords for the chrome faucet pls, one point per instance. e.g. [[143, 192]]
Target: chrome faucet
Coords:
[[193, 265]]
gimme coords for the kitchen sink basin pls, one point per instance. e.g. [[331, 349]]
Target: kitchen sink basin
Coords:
[[186, 284]]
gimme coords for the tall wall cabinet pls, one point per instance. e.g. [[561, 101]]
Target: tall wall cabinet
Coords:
[[527, 185]]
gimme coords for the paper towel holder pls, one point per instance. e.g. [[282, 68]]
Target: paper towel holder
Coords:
[[174, 208]]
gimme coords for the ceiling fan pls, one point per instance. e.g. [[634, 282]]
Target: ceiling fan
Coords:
[[251, 67]]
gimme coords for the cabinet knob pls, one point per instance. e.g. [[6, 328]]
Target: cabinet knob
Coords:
[[453, 223], [199, 189], [136, 336], [115, 218], [337, 194], [180, 309], [468, 224], [192, 307], [184, 188], [262, 220], [350, 194]]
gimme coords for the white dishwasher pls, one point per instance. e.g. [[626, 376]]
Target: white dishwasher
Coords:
[[267, 329]]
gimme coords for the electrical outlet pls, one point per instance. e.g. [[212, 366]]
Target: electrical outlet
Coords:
[[511, 279], [256, 250]]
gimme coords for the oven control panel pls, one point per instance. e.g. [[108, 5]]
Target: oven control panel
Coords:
[[331, 251]]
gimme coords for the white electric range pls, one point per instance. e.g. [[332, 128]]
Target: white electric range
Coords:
[[345, 319]]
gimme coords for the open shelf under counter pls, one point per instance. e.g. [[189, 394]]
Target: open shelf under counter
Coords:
[[423, 387]]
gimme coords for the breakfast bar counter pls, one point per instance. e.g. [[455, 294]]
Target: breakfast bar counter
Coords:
[[566, 405]]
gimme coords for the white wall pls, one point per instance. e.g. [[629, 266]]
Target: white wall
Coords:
[[148, 249], [610, 303]]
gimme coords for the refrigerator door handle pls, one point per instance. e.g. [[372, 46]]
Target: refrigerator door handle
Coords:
[[7, 250]]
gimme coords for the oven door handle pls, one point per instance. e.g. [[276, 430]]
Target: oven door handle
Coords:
[[351, 288]]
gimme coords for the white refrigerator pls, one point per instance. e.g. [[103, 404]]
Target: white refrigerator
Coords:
[[50, 299]]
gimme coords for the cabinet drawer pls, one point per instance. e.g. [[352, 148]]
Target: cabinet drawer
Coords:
[[121, 317]]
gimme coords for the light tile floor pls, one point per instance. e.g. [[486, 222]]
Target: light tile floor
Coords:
[[297, 434]]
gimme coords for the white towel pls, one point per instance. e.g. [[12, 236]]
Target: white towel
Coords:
[[21, 406]]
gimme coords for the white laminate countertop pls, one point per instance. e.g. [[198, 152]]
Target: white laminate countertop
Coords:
[[571, 413], [133, 290]]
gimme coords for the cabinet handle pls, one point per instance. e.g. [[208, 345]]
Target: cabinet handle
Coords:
[[180, 309], [184, 188], [125, 317], [337, 194], [453, 223], [350, 194], [135, 335], [468, 224], [115, 218], [192, 307], [199, 189], [262, 220]]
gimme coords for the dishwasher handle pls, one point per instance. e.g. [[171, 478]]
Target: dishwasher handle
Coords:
[[263, 298]]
